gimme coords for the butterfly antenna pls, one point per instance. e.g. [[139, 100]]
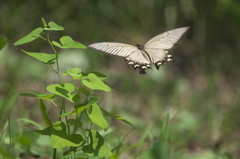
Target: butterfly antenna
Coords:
[[130, 40]]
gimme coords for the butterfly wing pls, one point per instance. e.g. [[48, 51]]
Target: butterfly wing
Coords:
[[166, 40], [131, 53], [158, 46]]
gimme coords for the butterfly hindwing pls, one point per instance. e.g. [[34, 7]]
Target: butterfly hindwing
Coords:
[[158, 46]]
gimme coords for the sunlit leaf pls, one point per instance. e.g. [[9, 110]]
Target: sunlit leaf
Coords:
[[98, 147], [60, 139], [54, 27], [43, 57], [75, 73], [95, 83], [81, 107], [63, 90], [68, 42], [98, 74], [97, 117], [39, 95], [30, 37], [44, 23]]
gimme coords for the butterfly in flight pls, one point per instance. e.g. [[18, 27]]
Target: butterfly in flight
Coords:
[[155, 51]]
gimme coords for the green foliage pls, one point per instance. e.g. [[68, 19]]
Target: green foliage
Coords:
[[98, 147], [63, 90], [3, 41], [69, 131], [36, 33], [68, 42], [43, 57], [95, 83], [97, 118], [160, 149]]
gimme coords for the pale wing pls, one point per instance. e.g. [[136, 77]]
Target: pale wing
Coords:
[[138, 58], [166, 40], [117, 49], [156, 54]]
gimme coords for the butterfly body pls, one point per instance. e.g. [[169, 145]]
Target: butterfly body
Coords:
[[155, 51]]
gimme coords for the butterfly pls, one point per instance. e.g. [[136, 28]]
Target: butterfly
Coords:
[[155, 51]]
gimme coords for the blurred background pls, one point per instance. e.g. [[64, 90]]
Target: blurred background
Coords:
[[201, 89]]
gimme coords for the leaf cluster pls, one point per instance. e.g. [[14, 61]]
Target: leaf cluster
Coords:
[[78, 129]]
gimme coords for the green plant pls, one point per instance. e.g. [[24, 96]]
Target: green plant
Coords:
[[76, 131]]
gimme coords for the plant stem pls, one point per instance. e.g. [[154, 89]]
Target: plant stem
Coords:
[[54, 153], [58, 73], [60, 78]]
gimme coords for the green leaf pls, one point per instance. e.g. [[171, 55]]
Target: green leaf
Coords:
[[71, 153], [80, 156], [81, 107], [3, 41], [43, 57], [95, 83], [60, 139], [161, 148], [44, 23], [39, 95], [46, 131], [78, 111], [30, 37], [75, 98], [63, 90], [67, 42], [75, 122], [44, 113], [106, 113], [98, 147], [100, 75], [31, 122], [27, 138], [164, 128], [54, 27], [75, 73], [84, 91], [97, 117]]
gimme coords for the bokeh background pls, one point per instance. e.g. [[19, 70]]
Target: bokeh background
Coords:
[[201, 89]]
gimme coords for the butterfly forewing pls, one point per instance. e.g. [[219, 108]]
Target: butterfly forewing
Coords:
[[118, 49], [166, 40]]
